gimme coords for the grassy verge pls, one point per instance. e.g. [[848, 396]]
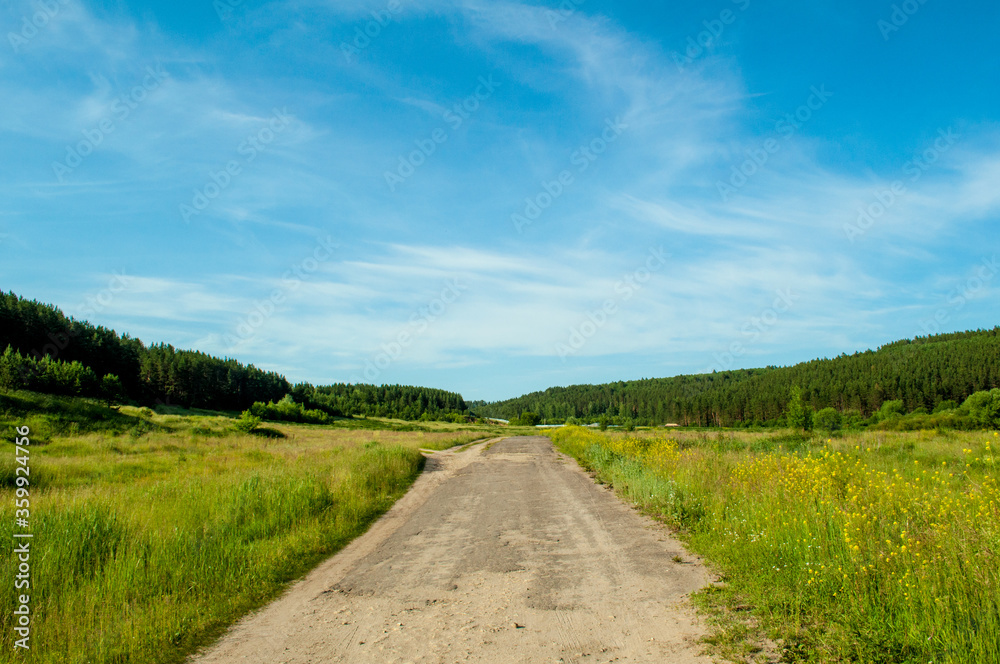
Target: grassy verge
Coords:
[[154, 532], [877, 547]]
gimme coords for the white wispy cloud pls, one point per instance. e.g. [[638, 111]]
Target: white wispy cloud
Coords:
[[523, 294]]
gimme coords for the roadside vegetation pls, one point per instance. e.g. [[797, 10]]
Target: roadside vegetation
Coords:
[[863, 547], [155, 530]]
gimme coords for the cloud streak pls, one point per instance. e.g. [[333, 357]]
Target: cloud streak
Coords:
[[324, 176]]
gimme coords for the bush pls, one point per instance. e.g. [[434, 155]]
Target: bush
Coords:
[[527, 419], [287, 410], [945, 406], [455, 418], [828, 419], [247, 422], [890, 410], [111, 389], [853, 419], [984, 408]]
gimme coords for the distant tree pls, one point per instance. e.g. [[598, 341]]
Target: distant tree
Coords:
[[111, 389], [800, 416], [945, 405], [853, 419], [984, 408], [828, 419], [890, 410], [11, 370], [529, 419]]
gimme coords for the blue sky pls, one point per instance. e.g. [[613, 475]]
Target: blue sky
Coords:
[[498, 197]]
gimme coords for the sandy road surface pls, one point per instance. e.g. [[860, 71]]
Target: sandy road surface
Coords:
[[506, 554]]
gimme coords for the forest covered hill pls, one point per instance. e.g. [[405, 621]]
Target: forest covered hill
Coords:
[[925, 374], [43, 350], [46, 351]]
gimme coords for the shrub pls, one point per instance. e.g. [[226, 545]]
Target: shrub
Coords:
[[945, 406], [853, 419], [247, 422], [527, 419], [889, 410], [829, 419], [984, 408], [287, 410]]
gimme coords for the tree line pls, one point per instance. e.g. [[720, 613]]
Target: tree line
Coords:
[[397, 401], [43, 350], [47, 351], [921, 374]]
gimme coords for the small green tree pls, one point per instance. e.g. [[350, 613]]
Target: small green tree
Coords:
[[247, 422], [111, 389], [603, 422], [890, 410], [828, 420], [11, 370], [800, 416], [529, 419]]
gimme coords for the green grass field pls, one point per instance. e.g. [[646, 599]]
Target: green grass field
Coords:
[[154, 532], [877, 547]]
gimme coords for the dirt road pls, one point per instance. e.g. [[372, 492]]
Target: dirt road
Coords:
[[505, 554]]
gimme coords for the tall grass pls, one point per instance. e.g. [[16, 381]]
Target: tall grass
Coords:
[[872, 548], [148, 545]]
